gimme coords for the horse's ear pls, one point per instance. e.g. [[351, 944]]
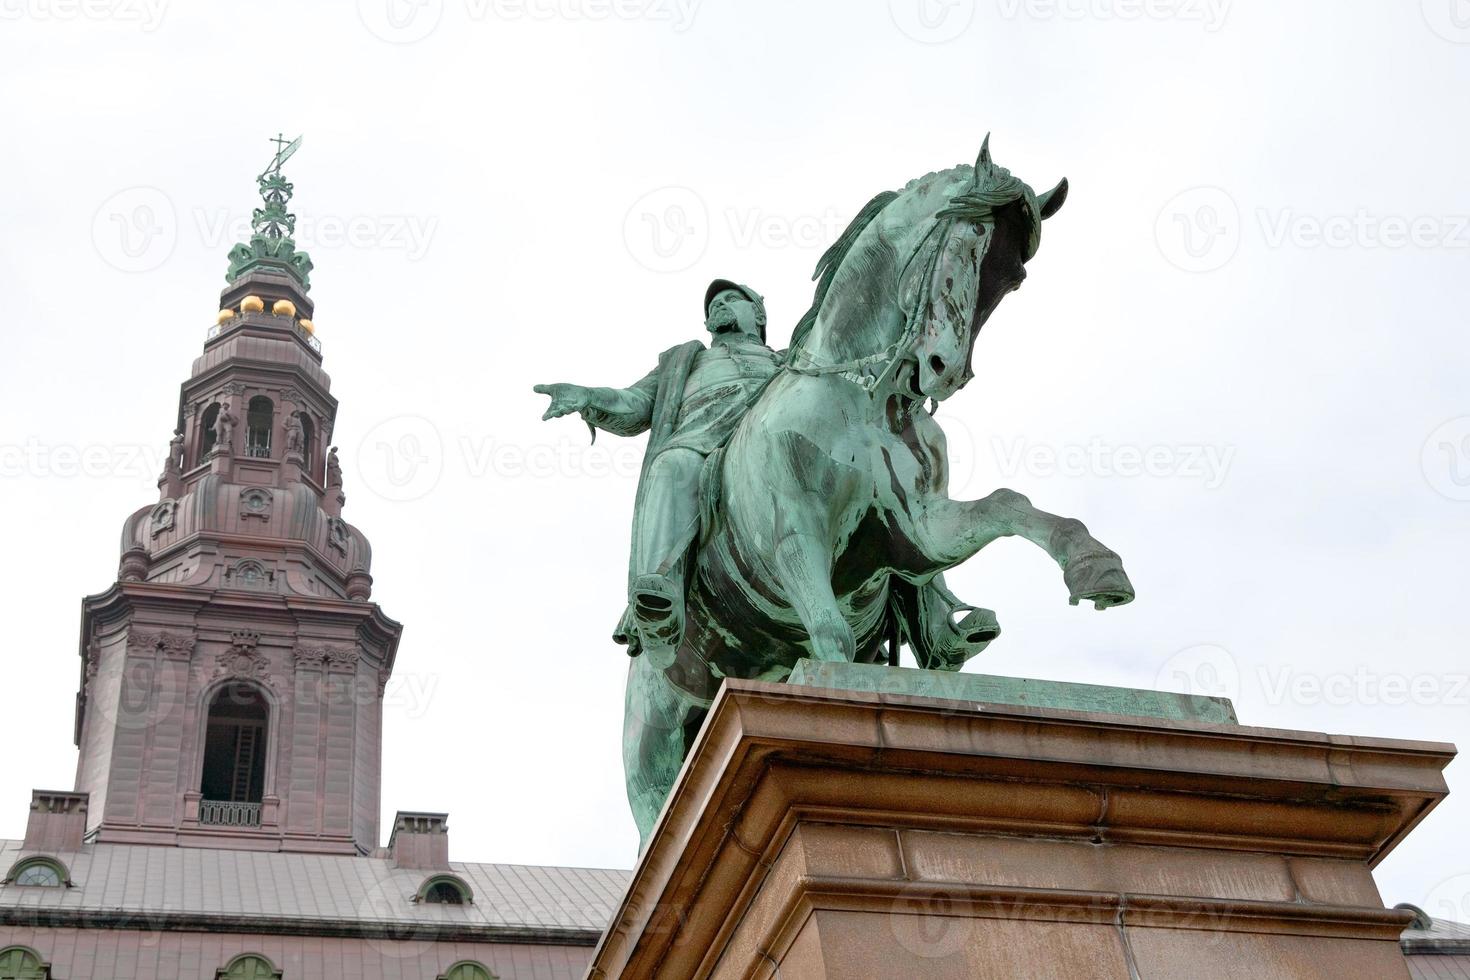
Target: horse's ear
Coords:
[[1051, 202], [983, 161]]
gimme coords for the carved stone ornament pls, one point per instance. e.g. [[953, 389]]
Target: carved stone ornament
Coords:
[[175, 646], [326, 657], [162, 518], [241, 659], [255, 502], [249, 574], [337, 534]]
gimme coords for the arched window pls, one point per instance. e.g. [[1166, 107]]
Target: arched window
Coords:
[[260, 415], [444, 890], [40, 872], [19, 963], [206, 432], [467, 970], [233, 781], [248, 966]]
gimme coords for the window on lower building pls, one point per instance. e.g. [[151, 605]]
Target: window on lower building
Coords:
[[40, 872], [235, 746], [19, 963], [467, 970], [248, 966], [444, 890]]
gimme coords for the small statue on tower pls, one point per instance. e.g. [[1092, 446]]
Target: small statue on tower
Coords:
[[171, 483], [294, 441], [224, 430]]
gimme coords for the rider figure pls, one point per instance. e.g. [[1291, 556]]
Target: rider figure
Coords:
[[691, 402]]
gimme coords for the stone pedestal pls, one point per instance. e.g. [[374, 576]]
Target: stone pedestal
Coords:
[[828, 833]]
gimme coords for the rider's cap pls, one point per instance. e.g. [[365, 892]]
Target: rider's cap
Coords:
[[720, 285]]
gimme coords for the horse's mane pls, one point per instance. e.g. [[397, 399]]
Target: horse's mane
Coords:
[[975, 204], [832, 260]]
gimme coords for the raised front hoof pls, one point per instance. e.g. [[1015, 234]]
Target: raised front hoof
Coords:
[[964, 639], [1099, 578]]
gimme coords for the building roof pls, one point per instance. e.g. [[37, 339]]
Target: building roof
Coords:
[[1436, 949], [182, 887]]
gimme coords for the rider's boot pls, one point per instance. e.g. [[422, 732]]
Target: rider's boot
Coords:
[[957, 642], [658, 609], [943, 631]]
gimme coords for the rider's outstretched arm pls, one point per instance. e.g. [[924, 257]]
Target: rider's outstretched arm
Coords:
[[623, 411]]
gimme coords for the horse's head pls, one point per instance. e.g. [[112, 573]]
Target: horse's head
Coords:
[[907, 286], [976, 228]]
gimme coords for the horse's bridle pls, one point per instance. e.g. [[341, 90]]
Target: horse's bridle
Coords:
[[853, 370]]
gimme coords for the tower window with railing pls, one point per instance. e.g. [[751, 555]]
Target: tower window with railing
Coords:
[[259, 418], [233, 781]]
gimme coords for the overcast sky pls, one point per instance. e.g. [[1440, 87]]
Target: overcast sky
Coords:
[[1240, 356]]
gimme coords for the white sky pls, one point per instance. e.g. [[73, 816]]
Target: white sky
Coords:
[[1293, 370]]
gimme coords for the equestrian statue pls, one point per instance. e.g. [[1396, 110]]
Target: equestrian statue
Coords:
[[795, 504]]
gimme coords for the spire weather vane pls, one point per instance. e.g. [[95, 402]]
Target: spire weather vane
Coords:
[[273, 225]]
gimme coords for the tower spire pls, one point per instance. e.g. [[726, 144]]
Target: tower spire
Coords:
[[271, 245]]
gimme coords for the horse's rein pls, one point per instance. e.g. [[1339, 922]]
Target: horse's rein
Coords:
[[852, 370]]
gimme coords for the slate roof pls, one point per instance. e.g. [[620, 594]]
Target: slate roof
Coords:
[[313, 892], [1439, 952]]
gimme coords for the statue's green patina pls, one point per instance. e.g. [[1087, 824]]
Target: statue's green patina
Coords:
[[271, 227], [795, 505]]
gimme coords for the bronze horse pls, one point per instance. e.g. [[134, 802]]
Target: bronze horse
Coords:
[[828, 516]]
